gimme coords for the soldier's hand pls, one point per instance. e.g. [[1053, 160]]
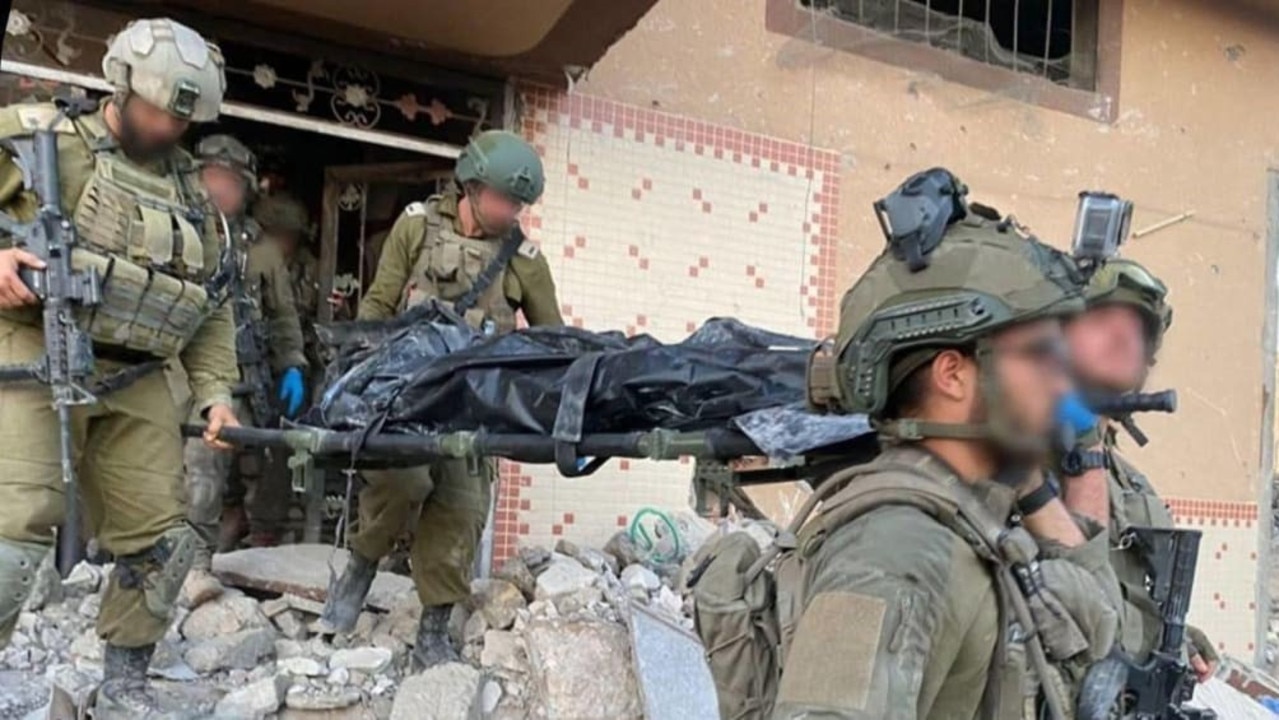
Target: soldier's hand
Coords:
[[13, 291], [220, 416]]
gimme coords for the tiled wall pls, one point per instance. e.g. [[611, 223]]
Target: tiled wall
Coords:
[[1225, 602], [653, 223]]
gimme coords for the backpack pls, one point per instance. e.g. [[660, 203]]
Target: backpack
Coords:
[[747, 601]]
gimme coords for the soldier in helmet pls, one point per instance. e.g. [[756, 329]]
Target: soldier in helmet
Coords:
[[952, 343], [1112, 347], [443, 248], [270, 345], [120, 164], [285, 221]]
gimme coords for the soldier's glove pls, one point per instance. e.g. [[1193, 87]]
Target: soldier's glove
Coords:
[[292, 391]]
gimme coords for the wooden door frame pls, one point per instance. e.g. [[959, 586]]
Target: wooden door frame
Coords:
[[334, 178]]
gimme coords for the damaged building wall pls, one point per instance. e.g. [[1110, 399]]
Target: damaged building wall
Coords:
[[1191, 133]]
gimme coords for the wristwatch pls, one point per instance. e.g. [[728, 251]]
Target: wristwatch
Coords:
[[1079, 461], [1034, 501]]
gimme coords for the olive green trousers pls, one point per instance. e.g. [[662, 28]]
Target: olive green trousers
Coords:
[[128, 456], [444, 506]]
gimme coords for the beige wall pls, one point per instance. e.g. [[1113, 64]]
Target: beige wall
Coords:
[[1193, 133]]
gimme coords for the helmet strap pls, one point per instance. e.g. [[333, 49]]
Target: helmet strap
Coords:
[[997, 428]]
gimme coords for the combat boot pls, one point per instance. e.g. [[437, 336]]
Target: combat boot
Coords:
[[434, 646], [124, 694], [346, 594]]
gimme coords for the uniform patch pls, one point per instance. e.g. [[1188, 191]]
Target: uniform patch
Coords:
[[528, 250], [845, 625], [415, 209]]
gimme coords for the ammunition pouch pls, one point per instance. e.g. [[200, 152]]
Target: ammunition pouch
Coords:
[[137, 230]]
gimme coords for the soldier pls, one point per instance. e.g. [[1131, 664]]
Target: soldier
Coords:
[[953, 346], [282, 221], [1112, 347], [452, 246], [286, 222], [120, 165], [269, 343]]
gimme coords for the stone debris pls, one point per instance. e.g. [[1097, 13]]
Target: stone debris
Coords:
[[301, 570], [255, 701], [546, 636], [445, 692]]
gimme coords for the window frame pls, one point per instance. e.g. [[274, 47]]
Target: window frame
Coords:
[[789, 17]]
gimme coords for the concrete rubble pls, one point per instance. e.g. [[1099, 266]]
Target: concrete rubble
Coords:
[[546, 636]]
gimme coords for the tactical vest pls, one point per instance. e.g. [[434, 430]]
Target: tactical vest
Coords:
[[144, 234], [448, 266], [748, 604], [1134, 503]]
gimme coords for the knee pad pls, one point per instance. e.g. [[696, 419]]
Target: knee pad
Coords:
[[18, 565], [159, 571]]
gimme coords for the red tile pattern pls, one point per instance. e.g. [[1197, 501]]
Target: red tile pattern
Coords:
[[653, 174]]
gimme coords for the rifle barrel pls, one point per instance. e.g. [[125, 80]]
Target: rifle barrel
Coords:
[[1127, 404]]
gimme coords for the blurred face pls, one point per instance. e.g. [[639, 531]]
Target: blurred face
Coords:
[[496, 212], [1108, 348], [1033, 375], [146, 132], [226, 188]]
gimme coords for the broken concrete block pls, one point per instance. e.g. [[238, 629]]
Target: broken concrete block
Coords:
[[364, 659], [290, 624], [300, 666], [563, 577], [475, 628], [582, 668], [498, 601], [503, 649], [301, 570], [334, 698], [517, 573], [255, 701], [623, 548], [638, 577], [226, 615], [243, 650], [445, 692], [535, 558]]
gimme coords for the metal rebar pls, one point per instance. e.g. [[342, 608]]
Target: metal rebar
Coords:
[[1048, 36]]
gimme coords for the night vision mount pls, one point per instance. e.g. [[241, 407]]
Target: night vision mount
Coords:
[[915, 215], [1101, 226]]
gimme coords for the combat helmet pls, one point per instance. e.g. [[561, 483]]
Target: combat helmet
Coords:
[[281, 212], [229, 153], [950, 278], [169, 65], [504, 162], [1120, 281]]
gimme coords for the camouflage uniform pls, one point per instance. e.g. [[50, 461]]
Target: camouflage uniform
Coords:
[[898, 591], [427, 255], [137, 226]]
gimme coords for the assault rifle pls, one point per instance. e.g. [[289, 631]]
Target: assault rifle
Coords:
[[67, 363], [252, 354], [1159, 688]]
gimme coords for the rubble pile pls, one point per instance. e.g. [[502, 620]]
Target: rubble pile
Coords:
[[545, 636]]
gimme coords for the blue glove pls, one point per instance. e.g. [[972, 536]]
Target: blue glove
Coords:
[[292, 391], [1074, 414]]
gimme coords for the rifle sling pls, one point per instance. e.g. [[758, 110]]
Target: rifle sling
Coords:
[[490, 272]]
